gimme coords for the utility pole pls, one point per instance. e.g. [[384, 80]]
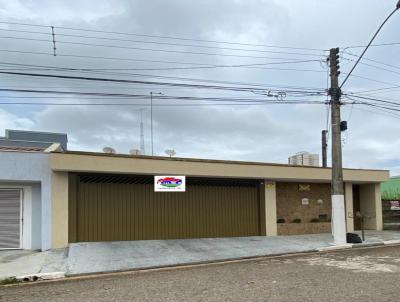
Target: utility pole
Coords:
[[338, 211], [324, 149]]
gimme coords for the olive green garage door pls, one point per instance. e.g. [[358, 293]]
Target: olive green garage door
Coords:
[[116, 208]]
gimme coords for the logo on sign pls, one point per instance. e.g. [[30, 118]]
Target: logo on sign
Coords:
[[169, 184]]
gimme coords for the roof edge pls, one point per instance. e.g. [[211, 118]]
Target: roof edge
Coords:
[[189, 159]]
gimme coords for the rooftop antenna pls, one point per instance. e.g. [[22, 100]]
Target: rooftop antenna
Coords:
[[142, 151]]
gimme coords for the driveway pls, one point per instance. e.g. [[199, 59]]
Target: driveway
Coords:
[[86, 258], [25, 262]]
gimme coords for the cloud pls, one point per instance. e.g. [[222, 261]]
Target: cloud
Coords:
[[12, 121], [58, 11], [263, 133]]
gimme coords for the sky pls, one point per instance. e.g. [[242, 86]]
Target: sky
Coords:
[[266, 31]]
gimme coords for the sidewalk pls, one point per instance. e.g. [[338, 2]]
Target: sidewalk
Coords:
[[20, 263], [100, 257]]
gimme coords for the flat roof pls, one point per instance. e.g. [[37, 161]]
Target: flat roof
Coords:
[[95, 162], [204, 160]]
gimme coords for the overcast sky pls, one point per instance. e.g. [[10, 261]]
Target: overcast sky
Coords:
[[268, 133]]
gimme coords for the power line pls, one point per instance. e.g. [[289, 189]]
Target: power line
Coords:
[[379, 89], [267, 86], [251, 89], [157, 50], [371, 60], [251, 66], [370, 79], [154, 105], [373, 99], [160, 37], [373, 66], [169, 77], [149, 42], [368, 45], [198, 65], [130, 96], [375, 45], [383, 112]]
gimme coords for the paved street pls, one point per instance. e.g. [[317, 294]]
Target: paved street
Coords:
[[353, 275]]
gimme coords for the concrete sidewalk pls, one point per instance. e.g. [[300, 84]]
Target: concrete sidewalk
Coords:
[[100, 257], [20, 263], [86, 258]]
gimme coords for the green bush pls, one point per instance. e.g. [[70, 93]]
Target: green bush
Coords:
[[296, 220], [10, 280], [315, 220], [281, 220]]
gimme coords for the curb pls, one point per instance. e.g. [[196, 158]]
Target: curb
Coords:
[[391, 242], [335, 247], [41, 276], [65, 277], [190, 264]]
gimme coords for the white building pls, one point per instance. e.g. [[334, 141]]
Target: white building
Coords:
[[304, 159]]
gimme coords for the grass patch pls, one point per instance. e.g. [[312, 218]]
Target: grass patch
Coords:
[[10, 280]]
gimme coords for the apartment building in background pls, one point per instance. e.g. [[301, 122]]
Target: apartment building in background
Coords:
[[304, 159]]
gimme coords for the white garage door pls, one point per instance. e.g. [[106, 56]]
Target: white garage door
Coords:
[[10, 218]]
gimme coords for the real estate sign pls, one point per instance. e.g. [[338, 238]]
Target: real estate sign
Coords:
[[169, 183], [395, 205]]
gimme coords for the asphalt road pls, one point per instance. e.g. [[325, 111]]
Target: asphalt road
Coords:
[[353, 275]]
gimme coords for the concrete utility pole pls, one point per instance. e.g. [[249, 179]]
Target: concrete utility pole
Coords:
[[324, 150], [338, 211]]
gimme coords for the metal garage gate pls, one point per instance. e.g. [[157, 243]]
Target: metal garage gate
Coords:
[[114, 208], [10, 218]]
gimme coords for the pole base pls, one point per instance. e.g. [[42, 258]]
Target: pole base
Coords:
[[338, 220]]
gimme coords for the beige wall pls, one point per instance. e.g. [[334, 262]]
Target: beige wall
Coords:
[[59, 209], [371, 206], [270, 208], [97, 162], [349, 207]]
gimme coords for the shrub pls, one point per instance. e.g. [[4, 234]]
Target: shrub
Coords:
[[10, 280], [315, 220], [281, 220], [296, 220]]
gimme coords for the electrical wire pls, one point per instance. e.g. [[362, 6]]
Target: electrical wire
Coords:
[[368, 45], [37, 75], [185, 79], [147, 42], [396, 104], [266, 86], [159, 50], [159, 36]]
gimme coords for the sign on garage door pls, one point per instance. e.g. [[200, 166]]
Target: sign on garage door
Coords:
[[10, 218]]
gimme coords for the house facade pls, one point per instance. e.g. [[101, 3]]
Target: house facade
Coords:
[[70, 197]]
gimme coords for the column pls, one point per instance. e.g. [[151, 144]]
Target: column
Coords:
[[270, 208], [59, 209]]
